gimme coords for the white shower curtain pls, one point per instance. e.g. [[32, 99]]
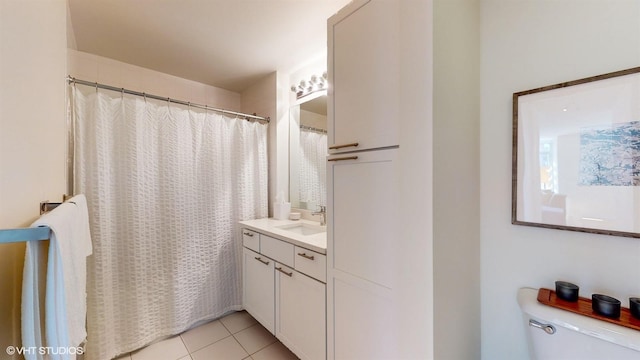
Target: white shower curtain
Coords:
[[312, 173], [166, 186]]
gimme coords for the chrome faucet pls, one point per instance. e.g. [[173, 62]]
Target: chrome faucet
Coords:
[[323, 213]]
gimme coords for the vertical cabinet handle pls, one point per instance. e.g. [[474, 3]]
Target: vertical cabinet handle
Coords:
[[284, 272], [336, 147], [304, 255], [248, 234], [262, 261]]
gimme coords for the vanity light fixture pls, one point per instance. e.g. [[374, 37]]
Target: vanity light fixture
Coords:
[[306, 87]]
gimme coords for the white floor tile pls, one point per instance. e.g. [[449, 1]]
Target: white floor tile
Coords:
[[226, 349], [213, 341], [254, 338], [169, 349], [203, 335], [276, 351], [237, 321]]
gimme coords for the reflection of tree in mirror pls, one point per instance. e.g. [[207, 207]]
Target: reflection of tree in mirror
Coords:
[[546, 164], [610, 155]]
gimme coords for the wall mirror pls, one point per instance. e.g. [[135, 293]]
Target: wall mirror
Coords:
[[308, 152], [576, 155]]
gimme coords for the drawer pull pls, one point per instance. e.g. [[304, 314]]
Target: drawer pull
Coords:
[[336, 147], [344, 158], [304, 255], [284, 272], [248, 234], [262, 261]]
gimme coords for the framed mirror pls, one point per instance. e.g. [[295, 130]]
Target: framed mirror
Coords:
[[308, 152], [576, 155]]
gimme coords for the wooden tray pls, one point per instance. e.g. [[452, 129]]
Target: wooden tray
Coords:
[[583, 307]]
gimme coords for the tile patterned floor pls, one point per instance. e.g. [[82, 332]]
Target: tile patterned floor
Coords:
[[237, 336]]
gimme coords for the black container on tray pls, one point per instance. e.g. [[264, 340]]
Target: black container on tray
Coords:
[[605, 305], [634, 306], [567, 291]]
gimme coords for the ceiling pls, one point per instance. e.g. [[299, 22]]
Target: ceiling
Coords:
[[224, 43]]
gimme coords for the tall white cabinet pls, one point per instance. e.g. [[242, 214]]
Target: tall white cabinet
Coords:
[[363, 231], [363, 69], [363, 225]]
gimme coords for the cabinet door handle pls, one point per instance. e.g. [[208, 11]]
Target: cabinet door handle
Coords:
[[336, 147], [344, 158], [262, 261], [284, 272], [304, 255], [248, 234]]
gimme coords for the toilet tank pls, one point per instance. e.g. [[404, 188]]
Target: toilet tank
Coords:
[[574, 337]]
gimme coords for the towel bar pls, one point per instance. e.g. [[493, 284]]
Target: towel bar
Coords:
[[24, 234]]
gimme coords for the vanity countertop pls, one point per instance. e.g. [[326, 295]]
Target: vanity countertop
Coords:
[[272, 227]]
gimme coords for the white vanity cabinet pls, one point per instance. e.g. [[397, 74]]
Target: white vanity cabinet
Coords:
[[284, 289], [301, 313], [259, 287], [364, 74]]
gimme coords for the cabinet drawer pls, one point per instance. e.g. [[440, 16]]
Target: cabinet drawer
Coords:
[[251, 240], [276, 249], [311, 263]]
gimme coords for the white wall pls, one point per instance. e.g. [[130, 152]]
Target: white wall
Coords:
[[308, 118], [94, 68], [456, 198], [415, 289], [263, 98], [32, 133], [528, 44]]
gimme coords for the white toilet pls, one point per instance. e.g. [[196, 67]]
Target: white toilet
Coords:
[[555, 334]]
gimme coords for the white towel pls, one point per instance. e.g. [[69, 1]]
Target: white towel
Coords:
[[65, 297], [31, 324]]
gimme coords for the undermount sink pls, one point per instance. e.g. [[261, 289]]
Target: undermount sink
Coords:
[[303, 229]]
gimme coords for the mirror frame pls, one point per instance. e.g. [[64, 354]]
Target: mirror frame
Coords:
[[588, 141]]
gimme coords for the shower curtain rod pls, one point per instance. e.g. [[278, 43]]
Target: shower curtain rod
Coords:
[[309, 128], [73, 80]]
